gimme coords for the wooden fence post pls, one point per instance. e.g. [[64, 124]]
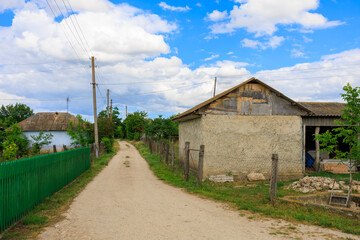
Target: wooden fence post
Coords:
[[172, 156], [201, 164], [167, 153], [187, 159], [150, 145], [54, 148], [274, 175]]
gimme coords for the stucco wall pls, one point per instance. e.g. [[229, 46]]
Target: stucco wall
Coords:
[[242, 144], [60, 138], [190, 131]]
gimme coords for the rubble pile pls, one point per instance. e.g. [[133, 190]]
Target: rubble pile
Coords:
[[318, 184]]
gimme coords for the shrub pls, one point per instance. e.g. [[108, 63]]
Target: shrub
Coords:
[[137, 136], [108, 143]]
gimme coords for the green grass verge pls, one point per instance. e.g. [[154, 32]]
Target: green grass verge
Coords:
[[49, 211], [251, 196]]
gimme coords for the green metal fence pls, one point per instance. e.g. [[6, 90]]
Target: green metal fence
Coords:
[[25, 183]]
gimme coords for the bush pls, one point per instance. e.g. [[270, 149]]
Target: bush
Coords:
[[108, 144], [137, 136], [119, 133]]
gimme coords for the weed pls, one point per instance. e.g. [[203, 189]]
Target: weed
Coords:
[[251, 217], [127, 156], [33, 219]]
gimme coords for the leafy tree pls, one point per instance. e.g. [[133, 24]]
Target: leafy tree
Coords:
[[11, 114], [41, 140], [14, 144], [348, 132], [135, 123], [81, 132], [106, 128], [161, 128]]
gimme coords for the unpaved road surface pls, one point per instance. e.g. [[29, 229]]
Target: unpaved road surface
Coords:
[[126, 201]]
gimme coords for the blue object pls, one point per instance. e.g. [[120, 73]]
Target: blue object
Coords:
[[309, 160]]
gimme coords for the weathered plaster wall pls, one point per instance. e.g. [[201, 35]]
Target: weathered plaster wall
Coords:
[[243, 144], [190, 131]]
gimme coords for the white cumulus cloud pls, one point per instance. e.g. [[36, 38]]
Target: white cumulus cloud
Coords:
[[217, 15], [165, 6], [262, 17], [273, 42]]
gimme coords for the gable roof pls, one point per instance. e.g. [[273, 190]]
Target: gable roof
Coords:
[[47, 121], [251, 80], [325, 109]]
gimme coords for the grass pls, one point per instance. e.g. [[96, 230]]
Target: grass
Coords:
[[339, 177], [253, 199], [49, 211]]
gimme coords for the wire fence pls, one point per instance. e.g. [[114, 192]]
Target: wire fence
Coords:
[[25, 183]]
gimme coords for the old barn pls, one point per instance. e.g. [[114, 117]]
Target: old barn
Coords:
[[242, 127]]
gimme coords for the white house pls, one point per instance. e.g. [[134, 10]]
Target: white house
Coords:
[[49, 122]]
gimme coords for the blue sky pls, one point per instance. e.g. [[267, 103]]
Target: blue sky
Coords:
[[162, 56]]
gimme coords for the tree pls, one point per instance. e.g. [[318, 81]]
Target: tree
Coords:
[[80, 132], [348, 132], [162, 128], [135, 123], [41, 140], [14, 144], [106, 128], [11, 114]]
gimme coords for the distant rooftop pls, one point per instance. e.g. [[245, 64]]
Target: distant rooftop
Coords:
[[47, 121]]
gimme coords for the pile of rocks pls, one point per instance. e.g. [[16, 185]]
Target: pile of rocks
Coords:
[[318, 184]]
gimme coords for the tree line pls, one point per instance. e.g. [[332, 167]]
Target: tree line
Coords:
[[15, 145]]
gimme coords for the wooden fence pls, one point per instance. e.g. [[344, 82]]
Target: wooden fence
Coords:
[[25, 183], [169, 153]]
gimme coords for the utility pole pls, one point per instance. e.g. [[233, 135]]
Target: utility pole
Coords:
[[67, 104], [125, 111], [214, 87], [111, 109], [107, 108], [95, 111]]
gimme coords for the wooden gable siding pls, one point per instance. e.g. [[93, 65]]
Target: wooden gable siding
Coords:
[[252, 99]]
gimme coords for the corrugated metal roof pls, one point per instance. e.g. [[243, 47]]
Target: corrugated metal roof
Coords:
[[251, 80], [47, 121], [325, 109]]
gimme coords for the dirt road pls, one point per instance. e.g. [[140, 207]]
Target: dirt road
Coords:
[[126, 201]]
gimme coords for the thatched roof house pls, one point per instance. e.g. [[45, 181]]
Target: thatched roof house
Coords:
[[50, 122]]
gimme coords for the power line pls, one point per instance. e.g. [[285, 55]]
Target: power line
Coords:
[[67, 24], [71, 19], [82, 33], [63, 29]]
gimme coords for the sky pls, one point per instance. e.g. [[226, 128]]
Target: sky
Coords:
[[162, 56]]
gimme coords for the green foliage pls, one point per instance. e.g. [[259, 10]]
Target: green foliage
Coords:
[[349, 130], [41, 140], [162, 128], [135, 123], [10, 150], [108, 144], [33, 219], [11, 114], [106, 128], [80, 132], [14, 143], [137, 136], [119, 132]]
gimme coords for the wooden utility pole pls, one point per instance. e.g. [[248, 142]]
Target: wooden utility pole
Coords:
[[67, 104], [317, 153], [107, 108], [273, 180], [95, 110], [215, 87], [111, 108]]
